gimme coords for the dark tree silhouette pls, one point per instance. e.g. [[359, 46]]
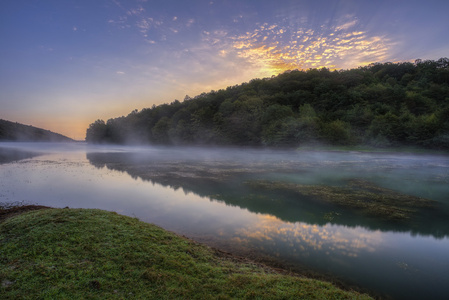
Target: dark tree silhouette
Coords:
[[385, 104]]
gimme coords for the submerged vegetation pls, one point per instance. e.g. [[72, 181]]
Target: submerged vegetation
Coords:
[[381, 105], [91, 254], [360, 195]]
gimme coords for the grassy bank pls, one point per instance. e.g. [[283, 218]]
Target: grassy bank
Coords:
[[91, 254]]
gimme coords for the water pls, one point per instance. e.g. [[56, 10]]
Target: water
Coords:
[[258, 203]]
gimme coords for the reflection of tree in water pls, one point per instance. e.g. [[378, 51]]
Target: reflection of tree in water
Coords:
[[9, 155], [242, 182]]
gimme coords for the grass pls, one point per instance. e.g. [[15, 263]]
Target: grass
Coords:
[[94, 254]]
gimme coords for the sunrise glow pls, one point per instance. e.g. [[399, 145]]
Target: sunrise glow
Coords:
[[73, 62]]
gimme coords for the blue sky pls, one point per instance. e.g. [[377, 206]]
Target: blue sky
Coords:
[[66, 63]]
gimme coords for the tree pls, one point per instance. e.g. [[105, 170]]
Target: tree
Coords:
[[308, 125], [337, 133], [96, 133], [383, 103], [241, 123], [160, 131]]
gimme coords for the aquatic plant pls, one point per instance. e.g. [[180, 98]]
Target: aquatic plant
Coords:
[[360, 195]]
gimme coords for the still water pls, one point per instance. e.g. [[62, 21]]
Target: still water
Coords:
[[379, 221]]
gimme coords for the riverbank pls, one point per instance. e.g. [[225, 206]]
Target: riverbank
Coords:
[[86, 253]]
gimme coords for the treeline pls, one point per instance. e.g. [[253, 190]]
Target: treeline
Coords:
[[11, 131], [383, 104]]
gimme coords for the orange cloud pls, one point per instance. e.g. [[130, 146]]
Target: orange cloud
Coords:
[[274, 48]]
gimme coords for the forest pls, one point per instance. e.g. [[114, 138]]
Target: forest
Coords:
[[12, 131], [379, 105]]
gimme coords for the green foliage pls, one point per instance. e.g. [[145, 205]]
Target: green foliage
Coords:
[[380, 104], [93, 254], [160, 131], [337, 132]]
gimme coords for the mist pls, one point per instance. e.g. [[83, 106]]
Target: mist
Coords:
[[308, 209]]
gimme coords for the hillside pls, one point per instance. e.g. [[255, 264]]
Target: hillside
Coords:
[[10, 131], [383, 104]]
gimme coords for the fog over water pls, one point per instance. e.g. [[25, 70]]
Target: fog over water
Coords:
[[376, 220]]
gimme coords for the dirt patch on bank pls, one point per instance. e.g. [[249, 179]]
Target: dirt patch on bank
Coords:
[[8, 212]]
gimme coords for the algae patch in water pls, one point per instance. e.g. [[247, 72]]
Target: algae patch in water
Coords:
[[363, 196]]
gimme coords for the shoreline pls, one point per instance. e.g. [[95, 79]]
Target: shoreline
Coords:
[[269, 264], [283, 267]]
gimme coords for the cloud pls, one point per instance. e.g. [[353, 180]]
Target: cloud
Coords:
[[143, 26], [135, 11], [275, 48], [117, 3], [346, 25], [262, 50], [160, 28], [190, 22]]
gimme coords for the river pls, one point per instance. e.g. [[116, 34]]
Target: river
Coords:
[[379, 221]]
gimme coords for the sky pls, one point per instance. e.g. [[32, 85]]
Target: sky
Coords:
[[66, 63]]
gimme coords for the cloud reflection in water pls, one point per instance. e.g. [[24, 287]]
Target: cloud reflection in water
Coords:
[[328, 239]]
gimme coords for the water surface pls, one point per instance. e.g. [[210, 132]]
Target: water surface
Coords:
[[276, 205]]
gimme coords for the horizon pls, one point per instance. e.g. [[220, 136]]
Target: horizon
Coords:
[[65, 65]]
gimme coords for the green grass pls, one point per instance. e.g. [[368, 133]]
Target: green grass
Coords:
[[94, 254]]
